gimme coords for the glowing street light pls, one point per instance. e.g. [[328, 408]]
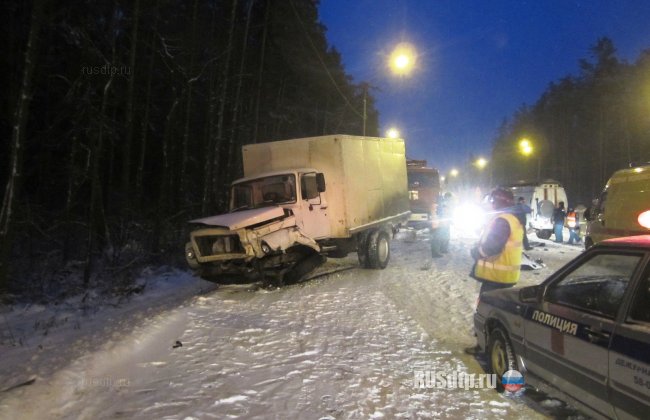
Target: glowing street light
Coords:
[[525, 147], [481, 163], [403, 58], [392, 133], [453, 172], [400, 62]]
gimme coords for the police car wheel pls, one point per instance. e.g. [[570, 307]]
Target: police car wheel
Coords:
[[501, 355]]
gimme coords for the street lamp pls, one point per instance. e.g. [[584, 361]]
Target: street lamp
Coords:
[[481, 163], [453, 172], [525, 147], [392, 133], [403, 59], [400, 62]]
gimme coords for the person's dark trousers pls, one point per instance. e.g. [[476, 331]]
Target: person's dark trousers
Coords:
[[445, 235], [436, 243], [487, 286], [525, 241], [558, 233]]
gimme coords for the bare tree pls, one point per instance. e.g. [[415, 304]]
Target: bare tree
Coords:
[[18, 137]]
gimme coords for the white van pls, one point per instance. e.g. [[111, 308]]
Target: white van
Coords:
[[623, 208], [543, 198]]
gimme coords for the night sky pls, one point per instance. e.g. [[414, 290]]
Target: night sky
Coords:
[[478, 60]]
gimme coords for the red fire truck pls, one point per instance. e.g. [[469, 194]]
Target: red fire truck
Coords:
[[424, 189]]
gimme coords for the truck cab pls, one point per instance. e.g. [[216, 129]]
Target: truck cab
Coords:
[[424, 189], [301, 193]]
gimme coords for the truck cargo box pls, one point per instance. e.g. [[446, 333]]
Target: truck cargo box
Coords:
[[365, 176]]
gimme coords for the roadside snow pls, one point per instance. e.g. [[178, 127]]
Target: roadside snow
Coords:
[[343, 345]]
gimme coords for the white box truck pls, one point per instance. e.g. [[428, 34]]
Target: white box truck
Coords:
[[301, 200]]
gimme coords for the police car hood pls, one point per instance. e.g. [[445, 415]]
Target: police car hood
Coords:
[[241, 219]]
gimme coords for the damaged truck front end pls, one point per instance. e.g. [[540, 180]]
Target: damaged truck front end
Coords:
[[256, 239]]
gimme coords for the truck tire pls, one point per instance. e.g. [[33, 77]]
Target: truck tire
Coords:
[[501, 356], [544, 233], [378, 249]]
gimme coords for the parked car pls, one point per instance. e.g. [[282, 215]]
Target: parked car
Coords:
[[585, 330]]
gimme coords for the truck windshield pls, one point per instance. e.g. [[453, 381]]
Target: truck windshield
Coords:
[[262, 192], [422, 179]]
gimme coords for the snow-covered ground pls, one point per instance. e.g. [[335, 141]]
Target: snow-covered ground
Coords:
[[341, 345]]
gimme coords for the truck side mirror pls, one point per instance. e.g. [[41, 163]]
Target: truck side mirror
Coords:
[[320, 182]]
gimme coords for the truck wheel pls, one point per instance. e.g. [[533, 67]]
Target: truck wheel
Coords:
[[501, 355], [544, 234], [378, 249]]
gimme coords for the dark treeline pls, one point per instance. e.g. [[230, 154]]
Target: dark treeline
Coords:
[[121, 120], [583, 128]]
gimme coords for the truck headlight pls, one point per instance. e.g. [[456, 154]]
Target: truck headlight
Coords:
[[266, 248]]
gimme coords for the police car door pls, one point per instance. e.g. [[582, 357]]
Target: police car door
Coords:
[[567, 339], [629, 357]]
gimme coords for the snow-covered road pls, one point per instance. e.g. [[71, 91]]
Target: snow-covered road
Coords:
[[342, 345]]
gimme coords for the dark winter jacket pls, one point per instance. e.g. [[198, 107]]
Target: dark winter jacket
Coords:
[[495, 241], [521, 211]]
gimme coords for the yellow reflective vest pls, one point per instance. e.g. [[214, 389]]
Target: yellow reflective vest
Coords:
[[505, 267]]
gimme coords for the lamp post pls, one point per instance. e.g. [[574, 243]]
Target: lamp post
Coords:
[[481, 163], [392, 133], [401, 62], [526, 148], [403, 59]]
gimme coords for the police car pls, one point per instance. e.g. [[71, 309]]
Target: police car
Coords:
[[585, 330]]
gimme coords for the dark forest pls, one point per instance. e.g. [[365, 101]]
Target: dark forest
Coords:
[[121, 121], [583, 127]]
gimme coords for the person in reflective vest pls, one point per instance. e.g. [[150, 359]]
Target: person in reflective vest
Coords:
[[573, 224], [497, 255]]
